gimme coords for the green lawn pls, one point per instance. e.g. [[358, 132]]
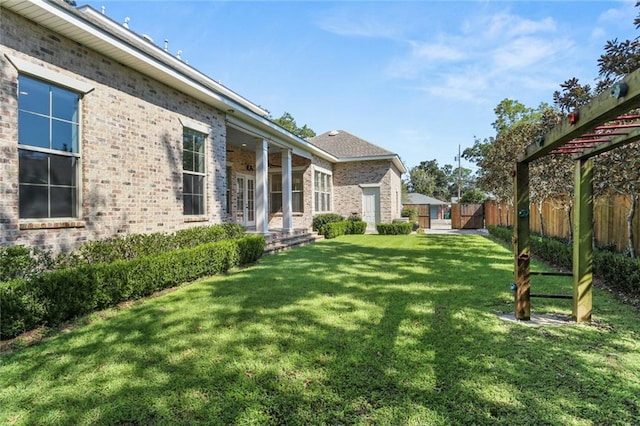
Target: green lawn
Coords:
[[358, 330]]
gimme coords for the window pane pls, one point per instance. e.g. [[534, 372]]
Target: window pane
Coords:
[[187, 183], [62, 202], [64, 104], [33, 167], [198, 185], [198, 143], [33, 201], [33, 130], [64, 136], [276, 182], [63, 170], [275, 204], [188, 204], [187, 161], [296, 202], [187, 141], [296, 183], [200, 163], [33, 95]]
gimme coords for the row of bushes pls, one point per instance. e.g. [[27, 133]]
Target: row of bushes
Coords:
[[395, 228], [23, 262], [333, 225], [56, 296], [617, 270]]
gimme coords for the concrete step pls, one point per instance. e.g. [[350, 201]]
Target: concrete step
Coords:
[[280, 243]]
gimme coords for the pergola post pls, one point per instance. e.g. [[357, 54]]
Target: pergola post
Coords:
[[521, 247], [583, 241]]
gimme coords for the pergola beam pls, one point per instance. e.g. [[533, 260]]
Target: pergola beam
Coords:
[[601, 109]]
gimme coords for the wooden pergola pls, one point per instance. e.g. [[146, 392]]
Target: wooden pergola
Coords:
[[600, 126]]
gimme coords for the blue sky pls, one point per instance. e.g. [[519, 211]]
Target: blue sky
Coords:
[[418, 78]]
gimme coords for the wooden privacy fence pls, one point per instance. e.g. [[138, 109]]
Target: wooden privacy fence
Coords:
[[609, 216], [467, 216], [424, 220]]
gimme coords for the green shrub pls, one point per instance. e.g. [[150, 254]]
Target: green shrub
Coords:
[[23, 262], [616, 269], [250, 249], [322, 219], [57, 296], [20, 310], [334, 229], [410, 212], [395, 228], [356, 226], [139, 245]]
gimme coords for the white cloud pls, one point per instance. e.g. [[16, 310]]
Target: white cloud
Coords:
[[508, 25], [343, 22], [527, 52]]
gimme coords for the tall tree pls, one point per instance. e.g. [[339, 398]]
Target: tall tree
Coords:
[[287, 121]]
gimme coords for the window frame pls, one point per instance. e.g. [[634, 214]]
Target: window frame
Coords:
[[202, 174], [326, 202], [278, 172], [54, 89]]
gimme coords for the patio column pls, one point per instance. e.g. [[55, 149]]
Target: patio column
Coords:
[[262, 164], [287, 211]]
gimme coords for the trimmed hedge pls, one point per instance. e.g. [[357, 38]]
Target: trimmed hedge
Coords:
[[139, 245], [60, 295], [617, 270], [356, 226], [395, 228], [320, 220], [344, 227]]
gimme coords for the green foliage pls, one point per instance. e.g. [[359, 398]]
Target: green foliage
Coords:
[[409, 212], [20, 309], [473, 195], [287, 121], [356, 226], [138, 245], [335, 229], [57, 296], [395, 228], [618, 271], [23, 262], [322, 219]]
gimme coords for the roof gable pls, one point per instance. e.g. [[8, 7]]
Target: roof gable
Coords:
[[343, 144], [416, 198]]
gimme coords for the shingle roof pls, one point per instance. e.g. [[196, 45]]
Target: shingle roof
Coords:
[[415, 198], [343, 144]]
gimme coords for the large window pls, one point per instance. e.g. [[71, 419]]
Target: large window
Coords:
[[193, 171], [275, 192], [49, 157], [322, 191]]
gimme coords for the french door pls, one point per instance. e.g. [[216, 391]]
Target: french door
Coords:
[[245, 200]]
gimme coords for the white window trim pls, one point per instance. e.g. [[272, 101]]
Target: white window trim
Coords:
[[369, 185], [78, 155], [204, 174], [328, 172], [34, 70], [195, 125]]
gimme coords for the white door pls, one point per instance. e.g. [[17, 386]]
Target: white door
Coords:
[[245, 200], [371, 207]]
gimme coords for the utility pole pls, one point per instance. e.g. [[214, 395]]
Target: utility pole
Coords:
[[459, 174]]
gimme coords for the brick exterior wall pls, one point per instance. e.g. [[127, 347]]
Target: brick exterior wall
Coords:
[[131, 145], [347, 192], [130, 140]]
